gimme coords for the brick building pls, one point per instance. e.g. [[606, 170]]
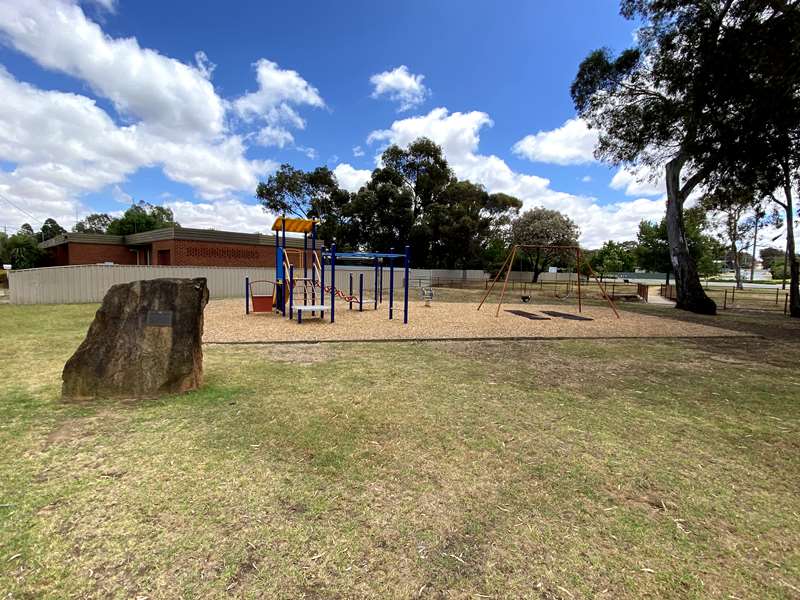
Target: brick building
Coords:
[[179, 246]]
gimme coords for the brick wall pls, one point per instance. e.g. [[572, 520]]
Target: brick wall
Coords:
[[187, 253], [168, 245], [89, 254], [213, 254]]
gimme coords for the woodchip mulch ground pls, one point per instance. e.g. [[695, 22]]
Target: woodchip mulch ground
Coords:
[[226, 322]]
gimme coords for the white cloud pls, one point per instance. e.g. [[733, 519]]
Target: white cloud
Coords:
[[205, 66], [171, 99], [571, 144], [459, 135], [278, 90], [586, 178], [310, 153], [351, 178], [358, 151], [109, 5], [228, 214], [639, 182], [400, 86], [274, 136], [63, 145], [120, 195]]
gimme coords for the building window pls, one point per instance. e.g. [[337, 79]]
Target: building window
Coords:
[[164, 257]]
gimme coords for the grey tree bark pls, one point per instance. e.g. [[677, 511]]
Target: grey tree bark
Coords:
[[689, 290]]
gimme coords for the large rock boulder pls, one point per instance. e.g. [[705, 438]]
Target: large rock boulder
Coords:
[[145, 341]]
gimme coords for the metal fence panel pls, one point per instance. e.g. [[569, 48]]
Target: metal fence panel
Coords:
[[89, 283]]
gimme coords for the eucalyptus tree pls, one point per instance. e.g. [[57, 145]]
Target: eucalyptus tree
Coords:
[[682, 99]]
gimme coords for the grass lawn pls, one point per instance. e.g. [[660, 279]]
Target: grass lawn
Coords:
[[563, 469]]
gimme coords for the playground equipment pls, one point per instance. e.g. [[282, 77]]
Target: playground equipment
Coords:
[[376, 259], [306, 294], [579, 260], [260, 301]]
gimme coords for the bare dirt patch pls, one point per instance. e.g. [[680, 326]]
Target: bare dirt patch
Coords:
[[225, 322]]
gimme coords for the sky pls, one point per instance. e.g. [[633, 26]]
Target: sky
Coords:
[[190, 105]]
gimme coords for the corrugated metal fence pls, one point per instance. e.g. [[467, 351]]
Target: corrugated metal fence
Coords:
[[89, 283]]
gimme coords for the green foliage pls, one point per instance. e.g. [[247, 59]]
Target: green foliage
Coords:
[[770, 255], [614, 257], [545, 227], [94, 223], [5, 257], [51, 229], [412, 198], [23, 250], [423, 169], [652, 250], [295, 192], [710, 90], [779, 269], [142, 217]]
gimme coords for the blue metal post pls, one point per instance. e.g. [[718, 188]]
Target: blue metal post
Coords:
[[333, 279], [380, 268], [291, 292], [351, 291], [391, 285], [247, 295], [305, 255], [285, 275], [360, 292], [375, 291], [277, 270], [407, 262]]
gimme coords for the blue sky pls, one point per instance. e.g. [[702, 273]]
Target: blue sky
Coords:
[[111, 100]]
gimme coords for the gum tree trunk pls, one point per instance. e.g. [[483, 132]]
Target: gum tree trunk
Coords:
[[690, 294], [794, 267]]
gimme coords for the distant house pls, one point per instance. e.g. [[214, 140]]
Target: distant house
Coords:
[[178, 246]]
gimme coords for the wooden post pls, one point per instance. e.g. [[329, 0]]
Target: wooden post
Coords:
[[725, 301], [603, 290], [505, 283], [496, 277]]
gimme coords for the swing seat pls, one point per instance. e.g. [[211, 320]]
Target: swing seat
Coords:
[[263, 303]]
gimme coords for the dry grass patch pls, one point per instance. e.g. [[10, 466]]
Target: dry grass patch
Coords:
[[548, 469]]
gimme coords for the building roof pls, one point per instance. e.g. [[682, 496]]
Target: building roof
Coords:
[[171, 233], [294, 225], [82, 238]]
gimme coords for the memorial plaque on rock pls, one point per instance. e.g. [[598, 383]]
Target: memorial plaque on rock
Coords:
[[144, 342], [159, 318]]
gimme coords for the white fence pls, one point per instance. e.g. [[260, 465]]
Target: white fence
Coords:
[[89, 283]]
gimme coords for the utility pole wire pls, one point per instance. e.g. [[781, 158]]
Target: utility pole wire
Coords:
[[22, 210]]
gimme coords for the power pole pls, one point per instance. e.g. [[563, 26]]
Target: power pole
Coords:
[[755, 245]]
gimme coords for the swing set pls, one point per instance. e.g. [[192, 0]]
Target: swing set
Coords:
[[508, 265]]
